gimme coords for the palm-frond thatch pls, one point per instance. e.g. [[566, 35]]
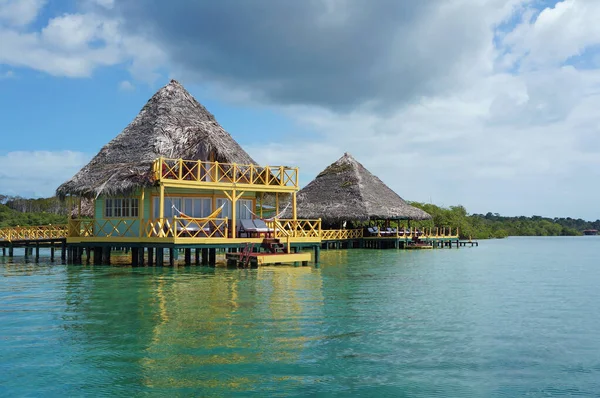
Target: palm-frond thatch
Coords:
[[172, 124], [347, 191]]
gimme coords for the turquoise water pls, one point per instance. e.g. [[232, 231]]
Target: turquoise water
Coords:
[[513, 317]]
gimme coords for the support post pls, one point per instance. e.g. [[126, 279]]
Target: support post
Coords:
[[10, 251], [63, 251], [212, 257], [233, 213], [141, 262], [161, 210], [150, 256], [141, 214], [160, 256], [37, 251], [106, 255], [197, 256], [188, 257], [171, 257], [205, 256], [317, 253], [135, 256], [97, 255], [294, 212]]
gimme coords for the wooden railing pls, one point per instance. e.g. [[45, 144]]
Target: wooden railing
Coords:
[[131, 228], [296, 228], [341, 234], [199, 171], [33, 232], [188, 227], [431, 233]]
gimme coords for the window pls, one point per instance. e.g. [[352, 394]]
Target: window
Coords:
[[243, 208], [174, 206], [121, 207]]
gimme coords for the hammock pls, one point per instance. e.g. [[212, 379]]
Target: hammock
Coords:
[[270, 218], [214, 214]]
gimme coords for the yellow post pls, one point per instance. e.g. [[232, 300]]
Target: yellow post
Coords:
[[281, 176], [276, 203], [262, 201], [79, 208], [233, 213], [141, 212], [294, 205], [296, 180], [215, 171], [161, 210]]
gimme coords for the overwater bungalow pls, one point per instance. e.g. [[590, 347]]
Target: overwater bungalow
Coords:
[[175, 178], [346, 194]]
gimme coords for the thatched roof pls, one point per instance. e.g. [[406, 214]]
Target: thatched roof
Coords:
[[347, 191], [172, 124]]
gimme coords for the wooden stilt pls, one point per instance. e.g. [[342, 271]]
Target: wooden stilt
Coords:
[[63, 251], [160, 256], [204, 256], [317, 254], [197, 256], [141, 262], [212, 257], [97, 255], [171, 257], [106, 255], [188, 257], [150, 256], [135, 256], [37, 251]]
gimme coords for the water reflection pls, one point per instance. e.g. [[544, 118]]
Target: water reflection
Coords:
[[197, 327]]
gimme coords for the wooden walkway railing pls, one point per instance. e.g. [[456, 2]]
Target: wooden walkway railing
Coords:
[[39, 232], [427, 233]]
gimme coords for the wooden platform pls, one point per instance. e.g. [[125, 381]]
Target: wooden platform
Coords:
[[256, 259]]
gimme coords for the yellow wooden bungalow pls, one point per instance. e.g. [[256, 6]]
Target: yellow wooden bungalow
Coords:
[[174, 178]]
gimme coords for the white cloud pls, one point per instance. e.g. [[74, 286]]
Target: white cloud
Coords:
[[19, 12], [556, 34], [75, 44], [126, 85], [38, 173]]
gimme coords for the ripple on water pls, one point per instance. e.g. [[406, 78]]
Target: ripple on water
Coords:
[[507, 319]]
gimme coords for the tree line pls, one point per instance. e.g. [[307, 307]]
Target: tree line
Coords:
[[493, 225]]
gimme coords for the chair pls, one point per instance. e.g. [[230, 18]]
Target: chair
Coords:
[[248, 228], [261, 227], [373, 230]]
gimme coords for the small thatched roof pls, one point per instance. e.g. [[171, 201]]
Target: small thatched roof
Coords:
[[347, 191], [172, 124]]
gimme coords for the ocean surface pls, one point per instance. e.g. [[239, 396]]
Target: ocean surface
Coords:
[[510, 318]]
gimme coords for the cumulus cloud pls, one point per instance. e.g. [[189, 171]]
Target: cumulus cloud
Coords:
[[488, 103], [72, 44], [38, 173]]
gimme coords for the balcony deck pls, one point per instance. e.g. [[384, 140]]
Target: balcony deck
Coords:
[[214, 175]]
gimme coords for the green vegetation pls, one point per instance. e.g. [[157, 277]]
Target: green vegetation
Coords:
[[11, 218], [492, 225], [15, 211]]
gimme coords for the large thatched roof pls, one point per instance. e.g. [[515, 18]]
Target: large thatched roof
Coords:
[[172, 124], [347, 191]]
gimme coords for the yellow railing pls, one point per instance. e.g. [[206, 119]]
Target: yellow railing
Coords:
[[424, 233], [295, 228], [199, 171], [178, 227], [33, 232], [341, 234], [186, 227]]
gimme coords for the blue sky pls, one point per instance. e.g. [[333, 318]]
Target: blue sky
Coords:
[[486, 103]]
